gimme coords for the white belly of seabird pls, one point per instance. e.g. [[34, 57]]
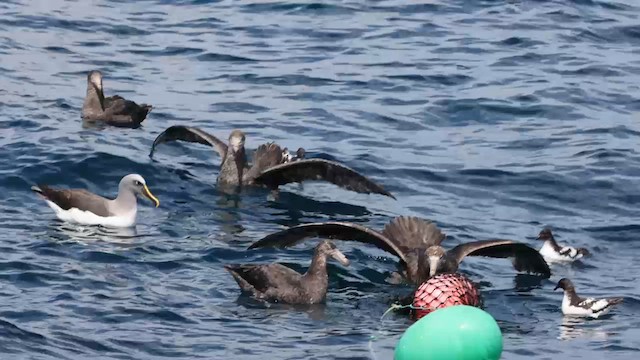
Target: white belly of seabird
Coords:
[[82, 217], [551, 255], [589, 307]]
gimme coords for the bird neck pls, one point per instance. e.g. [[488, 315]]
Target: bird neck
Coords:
[[125, 200], [318, 266], [552, 242], [232, 167], [93, 101], [570, 297]]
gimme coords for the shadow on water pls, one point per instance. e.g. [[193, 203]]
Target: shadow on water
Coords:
[[296, 207]]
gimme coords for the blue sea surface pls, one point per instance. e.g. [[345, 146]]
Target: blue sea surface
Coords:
[[494, 118]]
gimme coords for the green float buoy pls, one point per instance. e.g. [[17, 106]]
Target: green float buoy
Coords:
[[458, 332]]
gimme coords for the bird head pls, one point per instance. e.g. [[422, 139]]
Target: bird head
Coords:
[[564, 284], [545, 234], [95, 78], [236, 140], [329, 249], [435, 255]]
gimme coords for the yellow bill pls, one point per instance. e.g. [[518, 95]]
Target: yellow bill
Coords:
[[148, 194]]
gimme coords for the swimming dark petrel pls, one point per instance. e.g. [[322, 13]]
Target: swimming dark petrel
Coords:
[[113, 110], [278, 283], [271, 166], [417, 243]]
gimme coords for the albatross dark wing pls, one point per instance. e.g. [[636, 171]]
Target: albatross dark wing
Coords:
[[72, 198], [413, 232], [319, 169], [190, 134], [525, 258], [330, 230]]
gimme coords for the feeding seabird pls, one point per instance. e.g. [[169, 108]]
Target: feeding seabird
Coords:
[[553, 252], [83, 207], [114, 110], [574, 305], [417, 243], [278, 283], [270, 168]]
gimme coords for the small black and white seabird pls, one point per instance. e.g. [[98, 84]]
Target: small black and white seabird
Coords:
[[113, 110], [574, 305], [417, 243], [288, 157], [552, 252], [272, 166], [83, 207]]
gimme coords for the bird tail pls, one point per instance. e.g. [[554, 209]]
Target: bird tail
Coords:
[[144, 111], [36, 189], [235, 271]]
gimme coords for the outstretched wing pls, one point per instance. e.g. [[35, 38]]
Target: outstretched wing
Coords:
[[329, 230], [525, 258], [190, 134], [413, 232], [319, 169]]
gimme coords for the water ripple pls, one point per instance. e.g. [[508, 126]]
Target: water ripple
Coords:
[[493, 118]]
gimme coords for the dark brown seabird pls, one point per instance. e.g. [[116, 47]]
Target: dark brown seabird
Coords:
[[272, 166], [114, 110], [417, 243], [278, 283]]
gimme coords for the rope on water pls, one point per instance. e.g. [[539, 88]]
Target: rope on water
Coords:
[[393, 307]]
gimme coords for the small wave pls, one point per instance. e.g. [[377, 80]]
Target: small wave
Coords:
[[168, 51], [224, 58]]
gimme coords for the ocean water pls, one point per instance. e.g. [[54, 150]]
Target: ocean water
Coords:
[[493, 118]]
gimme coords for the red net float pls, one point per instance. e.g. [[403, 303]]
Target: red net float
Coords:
[[444, 290]]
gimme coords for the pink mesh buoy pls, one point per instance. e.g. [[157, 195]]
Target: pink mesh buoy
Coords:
[[444, 290]]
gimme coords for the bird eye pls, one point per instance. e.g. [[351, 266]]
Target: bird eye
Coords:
[[137, 183]]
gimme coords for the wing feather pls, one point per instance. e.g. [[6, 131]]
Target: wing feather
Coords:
[[331, 230], [525, 258], [190, 134], [266, 156], [319, 169], [413, 232], [80, 199]]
